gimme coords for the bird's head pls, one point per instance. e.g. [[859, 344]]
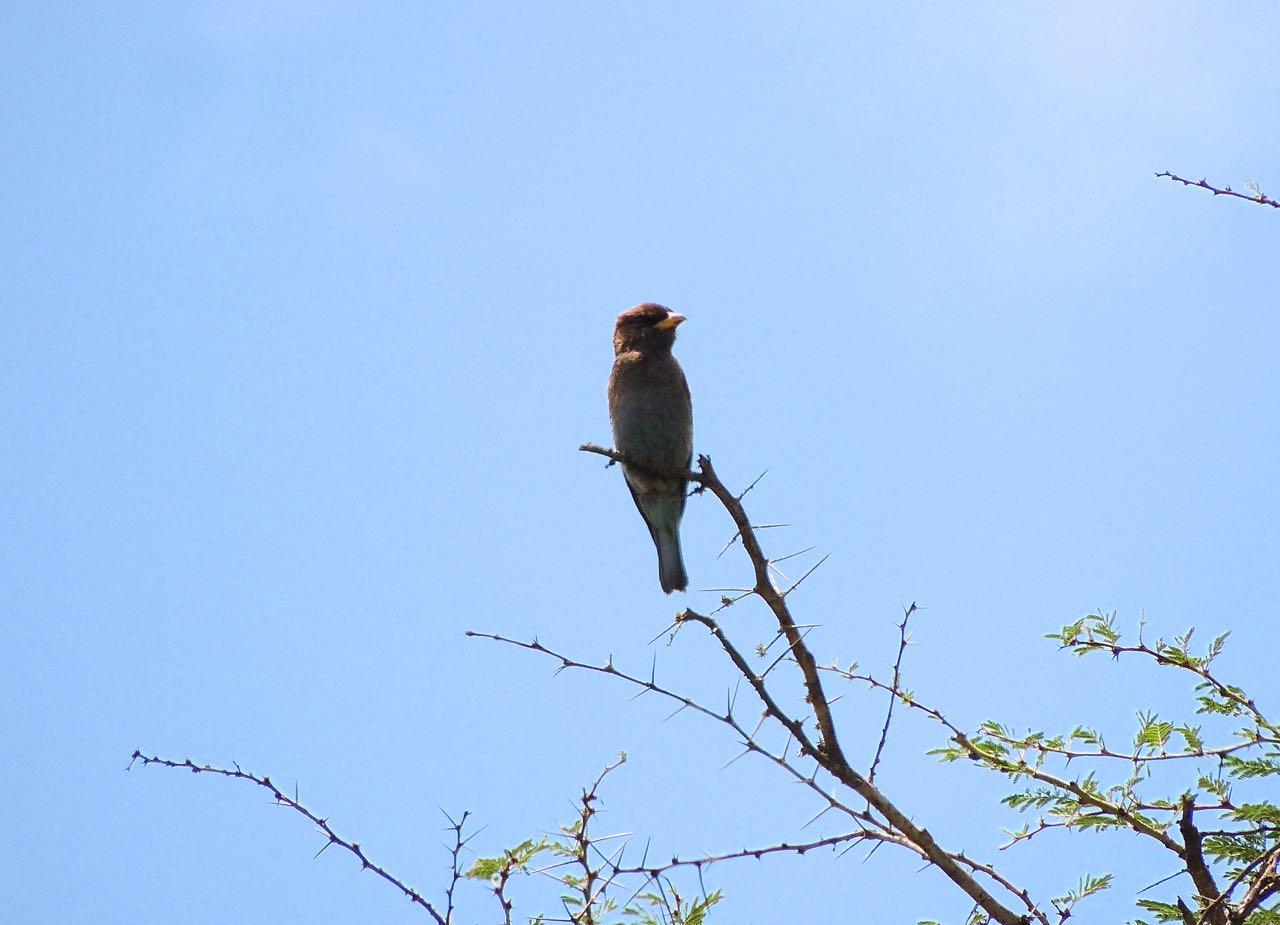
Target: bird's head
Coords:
[[646, 327]]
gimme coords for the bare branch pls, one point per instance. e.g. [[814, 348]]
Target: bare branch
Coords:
[[782, 848], [1258, 196], [322, 824], [455, 873], [748, 739], [895, 687]]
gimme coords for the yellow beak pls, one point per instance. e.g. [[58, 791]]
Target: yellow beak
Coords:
[[669, 322]]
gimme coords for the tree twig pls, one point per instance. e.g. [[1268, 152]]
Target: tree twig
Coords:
[[893, 695], [321, 823], [1258, 196]]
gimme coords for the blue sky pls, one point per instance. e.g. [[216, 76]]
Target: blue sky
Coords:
[[307, 307]]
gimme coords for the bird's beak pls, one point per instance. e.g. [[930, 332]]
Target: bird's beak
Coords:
[[669, 322]]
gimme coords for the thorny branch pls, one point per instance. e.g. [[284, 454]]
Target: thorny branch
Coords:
[[321, 823], [1257, 196], [1167, 656], [895, 686], [591, 885], [826, 749], [654, 870], [748, 739], [455, 869], [871, 827]]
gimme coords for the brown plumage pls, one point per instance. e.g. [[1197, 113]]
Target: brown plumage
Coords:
[[652, 417]]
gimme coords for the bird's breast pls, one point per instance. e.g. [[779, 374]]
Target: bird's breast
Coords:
[[650, 411]]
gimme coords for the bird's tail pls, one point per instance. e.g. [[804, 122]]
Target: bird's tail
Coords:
[[671, 574]]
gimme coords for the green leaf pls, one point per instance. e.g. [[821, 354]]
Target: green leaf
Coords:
[[1191, 738], [484, 869], [1164, 912], [1258, 812], [1250, 767]]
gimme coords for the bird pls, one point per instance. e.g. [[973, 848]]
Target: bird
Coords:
[[651, 413]]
